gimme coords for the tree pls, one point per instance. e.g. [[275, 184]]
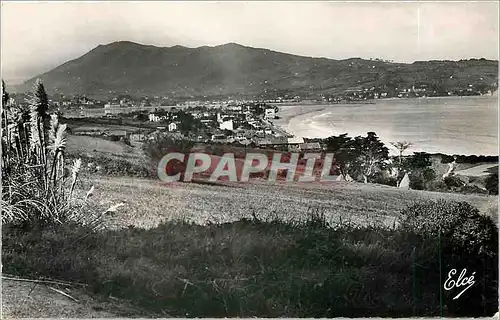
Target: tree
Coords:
[[419, 160], [142, 117], [188, 123], [419, 166], [401, 146], [420, 179], [344, 151], [372, 152]]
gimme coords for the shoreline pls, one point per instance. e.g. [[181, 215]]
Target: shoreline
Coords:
[[304, 121], [290, 112]]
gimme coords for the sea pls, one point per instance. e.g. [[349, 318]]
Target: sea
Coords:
[[450, 125]]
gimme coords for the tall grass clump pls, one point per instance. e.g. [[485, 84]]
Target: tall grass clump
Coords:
[[38, 185]]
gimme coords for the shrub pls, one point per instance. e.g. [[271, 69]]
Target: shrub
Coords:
[[155, 149], [422, 178], [113, 166], [453, 182], [416, 181], [437, 185], [246, 269], [472, 189], [428, 174], [459, 221], [464, 239], [381, 178], [491, 183]]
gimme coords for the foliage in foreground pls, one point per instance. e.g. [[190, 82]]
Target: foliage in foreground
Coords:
[[37, 185], [492, 183], [467, 240], [459, 222], [255, 268]]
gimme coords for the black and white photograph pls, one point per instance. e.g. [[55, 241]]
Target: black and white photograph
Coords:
[[249, 159]]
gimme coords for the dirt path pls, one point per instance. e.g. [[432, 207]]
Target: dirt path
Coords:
[[30, 300]]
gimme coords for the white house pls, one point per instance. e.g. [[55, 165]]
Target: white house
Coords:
[[232, 107], [153, 117], [270, 113], [219, 117], [309, 146], [224, 117], [295, 140], [137, 137], [172, 126], [226, 125], [111, 108]]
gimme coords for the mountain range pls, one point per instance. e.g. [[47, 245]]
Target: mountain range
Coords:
[[143, 70]]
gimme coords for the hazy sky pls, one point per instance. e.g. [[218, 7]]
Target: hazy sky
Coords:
[[39, 36]]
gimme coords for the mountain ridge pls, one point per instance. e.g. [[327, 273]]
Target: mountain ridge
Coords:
[[126, 67]]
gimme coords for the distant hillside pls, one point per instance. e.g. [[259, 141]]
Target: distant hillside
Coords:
[[139, 70]]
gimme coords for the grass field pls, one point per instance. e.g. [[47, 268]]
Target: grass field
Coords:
[[243, 250], [95, 146], [149, 202], [259, 266], [251, 267], [479, 170]]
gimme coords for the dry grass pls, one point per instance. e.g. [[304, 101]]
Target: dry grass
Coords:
[[98, 145], [148, 202], [94, 124], [27, 300]]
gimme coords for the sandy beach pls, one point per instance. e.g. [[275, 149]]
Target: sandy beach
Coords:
[[434, 125], [288, 113]]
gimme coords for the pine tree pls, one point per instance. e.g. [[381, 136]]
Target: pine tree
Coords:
[[345, 153], [373, 153]]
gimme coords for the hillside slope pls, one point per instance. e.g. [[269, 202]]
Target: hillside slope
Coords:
[[148, 202], [140, 70]]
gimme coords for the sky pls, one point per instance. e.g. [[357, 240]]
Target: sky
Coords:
[[38, 36]]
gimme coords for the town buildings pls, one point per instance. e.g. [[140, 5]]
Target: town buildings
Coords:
[[226, 125], [172, 127], [270, 113]]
